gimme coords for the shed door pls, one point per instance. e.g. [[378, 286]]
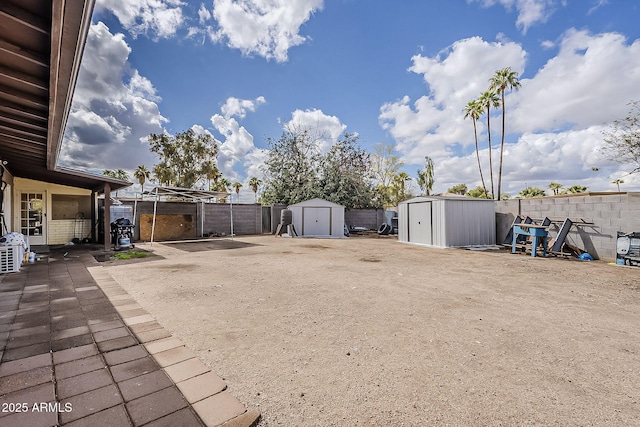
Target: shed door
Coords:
[[420, 223], [316, 221]]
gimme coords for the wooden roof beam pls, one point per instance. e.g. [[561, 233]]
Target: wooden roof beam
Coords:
[[24, 17], [23, 79], [7, 48]]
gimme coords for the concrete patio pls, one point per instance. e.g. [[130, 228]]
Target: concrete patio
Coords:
[[77, 350]]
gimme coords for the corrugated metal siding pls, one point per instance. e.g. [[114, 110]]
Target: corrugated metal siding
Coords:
[[454, 222], [403, 222], [470, 223]]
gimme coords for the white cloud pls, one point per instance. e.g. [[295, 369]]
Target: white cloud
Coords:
[[589, 82], [237, 145], [114, 109], [530, 12], [239, 107], [454, 77], [554, 122], [267, 28], [322, 128], [161, 18], [598, 5]]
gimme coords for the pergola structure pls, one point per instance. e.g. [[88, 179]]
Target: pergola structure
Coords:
[[41, 46], [175, 193]]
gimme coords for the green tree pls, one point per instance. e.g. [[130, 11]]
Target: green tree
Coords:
[[501, 80], [425, 177], [222, 185], [142, 174], [618, 182], [237, 186], [531, 192], [183, 157], [622, 139], [345, 175], [475, 109], [120, 174], [555, 187], [291, 168], [254, 183], [211, 172], [489, 99], [384, 167], [479, 193], [399, 188], [460, 189], [575, 189]]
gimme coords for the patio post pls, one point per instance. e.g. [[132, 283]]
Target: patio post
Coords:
[[153, 224]]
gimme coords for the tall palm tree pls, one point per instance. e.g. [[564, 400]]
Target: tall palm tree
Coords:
[[141, 174], [555, 187], [399, 186], [223, 184], [254, 183], [211, 172], [488, 100], [501, 80], [474, 109], [618, 182], [425, 176], [237, 186]]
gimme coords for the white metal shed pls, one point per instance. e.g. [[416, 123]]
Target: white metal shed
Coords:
[[447, 221], [318, 218]]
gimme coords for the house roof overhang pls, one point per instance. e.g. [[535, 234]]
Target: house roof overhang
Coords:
[[41, 45]]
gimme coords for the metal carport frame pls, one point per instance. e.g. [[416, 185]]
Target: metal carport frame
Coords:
[[196, 195]]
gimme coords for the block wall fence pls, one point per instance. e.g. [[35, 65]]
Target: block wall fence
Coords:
[[609, 213]]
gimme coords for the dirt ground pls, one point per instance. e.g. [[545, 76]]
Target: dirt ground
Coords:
[[372, 332]]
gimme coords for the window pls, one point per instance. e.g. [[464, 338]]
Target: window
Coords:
[[67, 207]]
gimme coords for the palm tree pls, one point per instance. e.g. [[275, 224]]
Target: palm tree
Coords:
[[488, 100], [531, 192], [618, 182], [236, 186], [502, 79], [120, 174], [425, 176], [222, 184], [141, 174], [210, 170], [399, 187], [254, 183], [555, 187], [574, 189], [474, 109]]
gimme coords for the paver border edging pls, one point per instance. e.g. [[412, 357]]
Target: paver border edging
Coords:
[[204, 390]]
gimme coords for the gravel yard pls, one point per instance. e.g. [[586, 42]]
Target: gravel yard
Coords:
[[372, 332]]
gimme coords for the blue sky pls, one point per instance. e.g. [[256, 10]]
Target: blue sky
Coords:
[[398, 72]]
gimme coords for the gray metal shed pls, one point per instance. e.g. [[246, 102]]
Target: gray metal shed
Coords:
[[318, 218], [447, 221]]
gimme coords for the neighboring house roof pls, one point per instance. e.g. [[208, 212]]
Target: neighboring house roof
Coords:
[[40, 52]]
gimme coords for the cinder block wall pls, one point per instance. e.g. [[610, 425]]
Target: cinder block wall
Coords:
[[370, 218], [609, 214], [247, 219]]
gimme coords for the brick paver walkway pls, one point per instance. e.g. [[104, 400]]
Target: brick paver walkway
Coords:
[[76, 350]]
